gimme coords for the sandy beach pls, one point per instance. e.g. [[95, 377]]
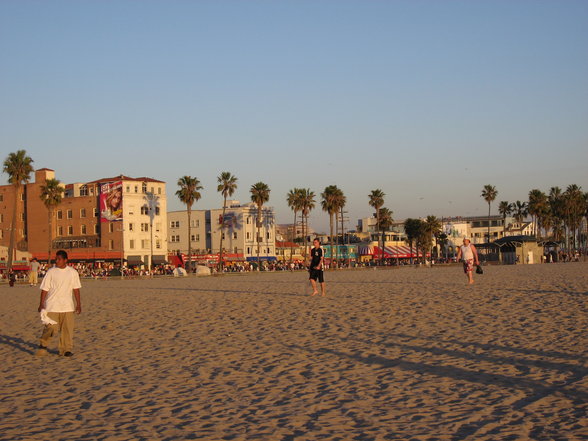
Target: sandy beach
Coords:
[[400, 354]]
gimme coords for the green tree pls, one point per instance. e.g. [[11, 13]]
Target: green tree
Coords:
[[386, 221], [520, 211], [227, 184], [376, 200], [556, 209], [259, 195], [574, 211], [51, 195], [329, 204], [489, 193], [294, 200], [189, 194], [505, 209], [18, 166], [412, 228], [537, 207], [432, 227], [307, 204]]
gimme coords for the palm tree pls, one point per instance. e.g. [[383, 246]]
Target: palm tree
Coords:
[[18, 167], [555, 200], [339, 201], [489, 193], [520, 211], [51, 195], [259, 195], [412, 228], [377, 201], [573, 203], [432, 226], [295, 203], [385, 224], [307, 204], [538, 206], [329, 204], [189, 194], [227, 184], [505, 209]]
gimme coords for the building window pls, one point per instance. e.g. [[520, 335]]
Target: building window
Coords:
[[70, 230], [223, 236], [144, 209], [111, 244], [144, 227], [131, 209], [158, 226], [267, 235], [158, 190], [131, 226], [70, 214], [1, 234], [152, 190], [175, 224], [22, 197], [59, 214], [235, 250], [248, 250], [145, 243], [156, 211], [128, 188], [234, 234], [95, 228], [144, 187], [248, 235], [195, 237], [82, 212], [60, 231], [132, 244], [248, 220], [83, 229], [1, 198], [1, 218], [158, 244], [111, 227], [95, 212]]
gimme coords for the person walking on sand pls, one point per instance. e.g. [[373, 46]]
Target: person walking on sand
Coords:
[[316, 268], [34, 272], [59, 287], [469, 255]]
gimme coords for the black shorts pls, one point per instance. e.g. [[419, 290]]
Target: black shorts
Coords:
[[316, 275]]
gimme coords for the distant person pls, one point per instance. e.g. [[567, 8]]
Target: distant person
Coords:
[[469, 255], [316, 268], [60, 298], [34, 272]]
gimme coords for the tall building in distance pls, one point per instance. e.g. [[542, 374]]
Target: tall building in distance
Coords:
[[239, 236], [118, 219]]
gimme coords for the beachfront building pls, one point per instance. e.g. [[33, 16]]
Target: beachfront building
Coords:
[[239, 235], [119, 219]]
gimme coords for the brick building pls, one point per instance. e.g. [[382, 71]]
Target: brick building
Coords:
[[84, 226]]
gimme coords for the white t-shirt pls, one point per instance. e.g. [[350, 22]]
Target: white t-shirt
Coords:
[[59, 284]]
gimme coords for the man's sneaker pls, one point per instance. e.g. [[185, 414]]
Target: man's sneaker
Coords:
[[68, 354], [42, 351]]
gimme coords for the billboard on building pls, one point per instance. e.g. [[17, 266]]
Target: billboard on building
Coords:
[[111, 202]]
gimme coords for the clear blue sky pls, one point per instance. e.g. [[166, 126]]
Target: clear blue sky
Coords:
[[427, 100]]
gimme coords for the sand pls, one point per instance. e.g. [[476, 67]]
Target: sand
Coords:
[[402, 354]]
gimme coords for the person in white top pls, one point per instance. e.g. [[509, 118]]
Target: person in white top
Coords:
[[60, 298], [468, 253]]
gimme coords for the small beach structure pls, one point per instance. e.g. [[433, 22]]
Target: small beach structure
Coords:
[[519, 249]]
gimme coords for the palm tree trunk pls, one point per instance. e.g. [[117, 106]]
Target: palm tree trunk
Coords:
[[258, 237], [189, 240], [488, 239], [343, 233], [378, 231], [50, 222], [11, 244], [334, 254], [331, 237], [293, 237], [220, 260]]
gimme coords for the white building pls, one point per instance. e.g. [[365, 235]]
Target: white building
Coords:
[[238, 237]]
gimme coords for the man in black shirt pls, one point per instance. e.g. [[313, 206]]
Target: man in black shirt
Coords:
[[316, 268]]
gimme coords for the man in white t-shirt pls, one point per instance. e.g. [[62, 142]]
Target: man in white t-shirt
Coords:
[[59, 287]]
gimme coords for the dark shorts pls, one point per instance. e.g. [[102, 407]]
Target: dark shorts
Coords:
[[316, 275]]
